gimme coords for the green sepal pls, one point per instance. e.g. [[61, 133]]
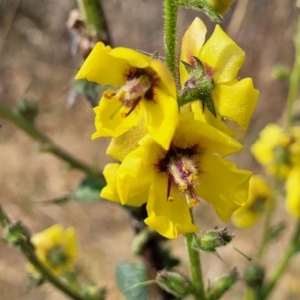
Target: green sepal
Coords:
[[201, 5], [174, 283], [188, 67], [211, 239], [222, 284], [16, 234], [202, 94], [254, 276]]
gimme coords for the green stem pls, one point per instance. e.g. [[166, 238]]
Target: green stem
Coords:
[[268, 217], [195, 267], [292, 249], [94, 16], [294, 80], [48, 144], [265, 239], [171, 9]]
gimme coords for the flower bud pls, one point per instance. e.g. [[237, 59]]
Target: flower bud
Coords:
[[173, 283], [198, 86], [213, 9], [211, 239], [281, 73], [28, 109], [16, 234], [222, 284], [219, 6], [254, 276]]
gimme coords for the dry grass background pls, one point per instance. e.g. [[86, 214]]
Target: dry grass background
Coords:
[[36, 62]]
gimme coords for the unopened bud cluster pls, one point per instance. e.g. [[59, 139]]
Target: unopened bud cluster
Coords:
[[211, 239], [222, 284], [174, 283]]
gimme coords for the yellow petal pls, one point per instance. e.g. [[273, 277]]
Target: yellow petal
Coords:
[[161, 117], [110, 119], [236, 100], [71, 244], [223, 185], [165, 76], [292, 203], [222, 55], [134, 58], [210, 140], [209, 118], [121, 146], [103, 68], [168, 218], [191, 44], [136, 172], [259, 200], [263, 148], [110, 192], [243, 218]]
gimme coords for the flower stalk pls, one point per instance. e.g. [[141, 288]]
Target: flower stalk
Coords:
[[171, 9], [195, 266], [293, 248], [294, 79], [94, 16]]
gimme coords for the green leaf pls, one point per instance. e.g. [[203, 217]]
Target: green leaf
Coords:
[[129, 274], [89, 189]]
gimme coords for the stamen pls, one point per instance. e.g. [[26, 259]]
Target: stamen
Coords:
[[133, 106]]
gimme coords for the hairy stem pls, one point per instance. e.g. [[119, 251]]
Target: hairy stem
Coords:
[[171, 8], [294, 79], [94, 16], [195, 268]]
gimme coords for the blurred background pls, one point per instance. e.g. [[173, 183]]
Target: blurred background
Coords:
[[37, 62]]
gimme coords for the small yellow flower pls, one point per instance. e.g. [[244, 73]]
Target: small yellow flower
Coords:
[[259, 200], [56, 248], [293, 192], [208, 73], [173, 181], [144, 88], [277, 150]]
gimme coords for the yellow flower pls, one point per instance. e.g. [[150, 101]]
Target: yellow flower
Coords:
[[277, 150], [208, 73], [56, 248], [293, 192], [144, 88], [259, 200], [173, 181]]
